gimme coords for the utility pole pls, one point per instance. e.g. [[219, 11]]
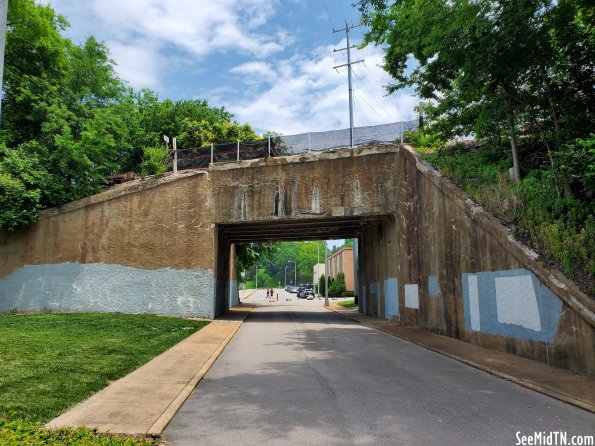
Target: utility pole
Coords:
[[3, 17], [348, 65]]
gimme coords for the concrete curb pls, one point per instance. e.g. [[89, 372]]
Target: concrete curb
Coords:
[[492, 371], [161, 423]]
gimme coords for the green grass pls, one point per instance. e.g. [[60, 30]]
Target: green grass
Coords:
[[29, 433], [348, 304], [49, 362]]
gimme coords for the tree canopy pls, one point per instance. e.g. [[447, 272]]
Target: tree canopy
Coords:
[[68, 121], [494, 68]]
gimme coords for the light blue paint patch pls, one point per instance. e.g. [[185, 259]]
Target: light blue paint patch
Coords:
[[511, 303], [412, 295], [433, 287], [233, 293], [110, 289], [391, 298]]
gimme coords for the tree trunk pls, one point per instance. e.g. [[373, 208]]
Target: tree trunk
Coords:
[[516, 167], [550, 98]]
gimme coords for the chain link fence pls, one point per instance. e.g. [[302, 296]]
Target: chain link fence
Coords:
[[197, 157]]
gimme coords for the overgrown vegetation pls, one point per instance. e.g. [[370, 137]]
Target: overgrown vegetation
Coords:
[[561, 229], [52, 361], [68, 121]]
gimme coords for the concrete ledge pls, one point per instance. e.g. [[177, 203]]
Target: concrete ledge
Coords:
[[144, 401], [565, 386]]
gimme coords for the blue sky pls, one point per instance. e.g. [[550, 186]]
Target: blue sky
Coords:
[[269, 62]]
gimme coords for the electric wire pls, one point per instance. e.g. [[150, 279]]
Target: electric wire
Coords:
[[328, 15], [374, 97]]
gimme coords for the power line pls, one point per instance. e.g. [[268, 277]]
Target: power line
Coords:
[[328, 14], [362, 108], [368, 104], [374, 97]]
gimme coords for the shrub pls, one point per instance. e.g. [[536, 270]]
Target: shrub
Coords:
[[154, 160]]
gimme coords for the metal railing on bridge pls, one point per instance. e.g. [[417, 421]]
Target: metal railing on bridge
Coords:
[[197, 157]]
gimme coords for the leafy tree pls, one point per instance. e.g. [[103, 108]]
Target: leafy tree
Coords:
[[493, 67], [68, 121]]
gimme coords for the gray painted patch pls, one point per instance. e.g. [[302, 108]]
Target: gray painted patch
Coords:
[[433, 287], [511, 303], [391, 298], [233, 293], [412, 295], [109, 288]]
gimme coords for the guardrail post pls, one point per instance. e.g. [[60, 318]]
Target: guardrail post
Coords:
[[175, 155], [238, 149], [212, 153], [401, 132]]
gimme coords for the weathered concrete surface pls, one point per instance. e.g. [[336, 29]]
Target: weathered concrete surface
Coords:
[[145, 247], [428, 258]]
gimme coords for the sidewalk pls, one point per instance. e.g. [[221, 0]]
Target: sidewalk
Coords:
[[565, 386], [144, 402]]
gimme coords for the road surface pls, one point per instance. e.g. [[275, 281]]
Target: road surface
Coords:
[[298, 374]]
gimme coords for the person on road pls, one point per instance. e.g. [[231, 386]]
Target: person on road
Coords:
[[267, 294]]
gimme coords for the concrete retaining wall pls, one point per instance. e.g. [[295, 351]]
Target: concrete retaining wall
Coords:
[[138, 248]]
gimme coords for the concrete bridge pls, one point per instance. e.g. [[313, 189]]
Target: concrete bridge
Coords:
[[429, 257]]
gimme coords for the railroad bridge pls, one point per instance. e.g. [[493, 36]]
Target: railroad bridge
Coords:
[[428, 256]]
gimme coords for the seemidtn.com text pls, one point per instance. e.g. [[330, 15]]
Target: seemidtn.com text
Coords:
[[554, 438]]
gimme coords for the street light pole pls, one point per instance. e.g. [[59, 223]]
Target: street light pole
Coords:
[[294, 271], [285, 276], [318, 268], [325, 278]]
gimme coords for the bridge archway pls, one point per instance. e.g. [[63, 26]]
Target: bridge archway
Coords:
[[375, 259]]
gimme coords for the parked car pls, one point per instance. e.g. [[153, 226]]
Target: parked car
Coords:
[[291, 289], [304, 290]]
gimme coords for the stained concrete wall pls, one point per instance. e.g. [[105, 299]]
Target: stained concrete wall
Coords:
[[428, 256], [460, 273], [145, 247]]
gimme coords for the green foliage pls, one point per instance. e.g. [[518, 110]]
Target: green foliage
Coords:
[[424, 140], [321, 284], [18, 206], [19, 432], [562, 229], [154, 160], [494, 69], [52, 361], [337, 289], [68, 121], [348, 304], [204, 132], [576, 161]]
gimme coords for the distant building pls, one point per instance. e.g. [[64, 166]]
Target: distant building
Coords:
[[317, 271], [342, 262]]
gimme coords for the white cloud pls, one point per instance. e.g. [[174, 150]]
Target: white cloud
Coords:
[[138, 63], [305, 94], [144, 34]]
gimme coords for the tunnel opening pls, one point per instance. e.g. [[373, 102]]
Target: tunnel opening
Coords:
[[373, 261]]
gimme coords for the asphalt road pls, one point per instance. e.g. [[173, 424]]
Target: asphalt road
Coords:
[[298, 374]]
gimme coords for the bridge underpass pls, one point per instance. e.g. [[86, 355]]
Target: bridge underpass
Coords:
[[365, 229], [429, 257]]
